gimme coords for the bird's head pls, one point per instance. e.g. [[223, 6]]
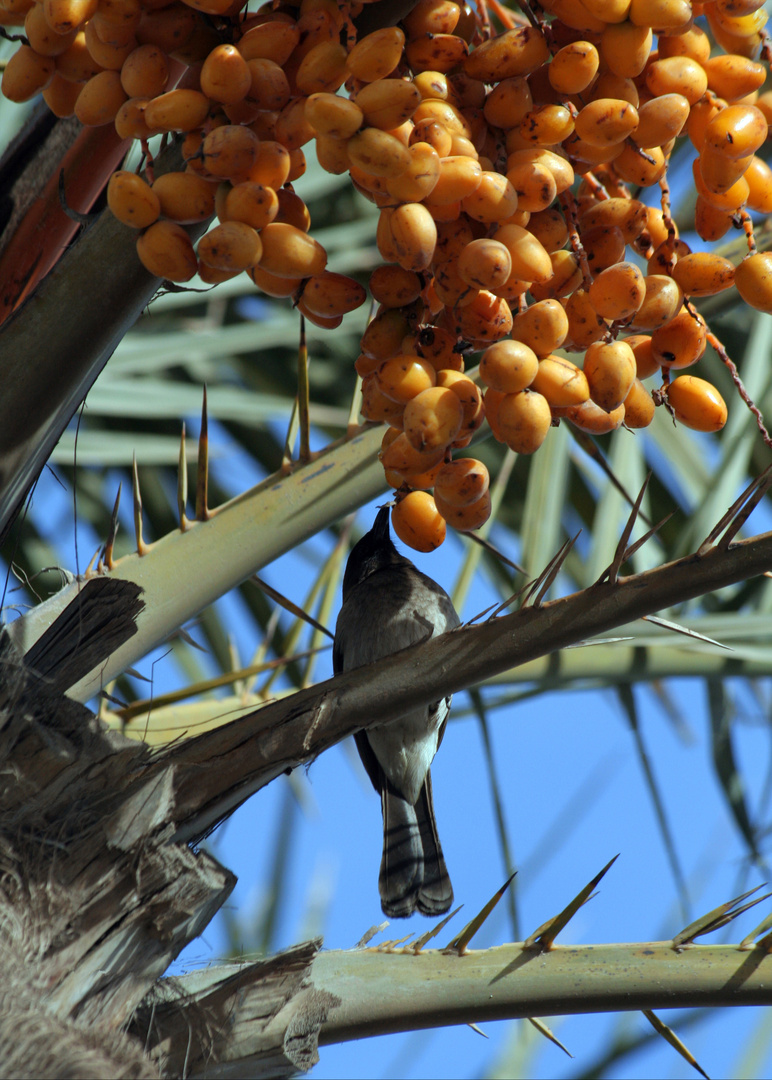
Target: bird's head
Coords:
[[374, 551]]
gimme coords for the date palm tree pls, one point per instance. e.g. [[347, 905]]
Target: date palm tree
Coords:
[[136, 718]]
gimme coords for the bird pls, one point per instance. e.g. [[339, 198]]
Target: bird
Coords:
[[389, 605]]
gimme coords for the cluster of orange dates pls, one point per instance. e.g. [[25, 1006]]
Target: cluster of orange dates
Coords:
[[506, 167]]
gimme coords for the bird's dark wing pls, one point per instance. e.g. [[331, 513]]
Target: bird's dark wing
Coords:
[[369, 760], [445, 605]]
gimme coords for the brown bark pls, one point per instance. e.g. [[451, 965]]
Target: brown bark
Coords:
[[95, 901], [38, 230]]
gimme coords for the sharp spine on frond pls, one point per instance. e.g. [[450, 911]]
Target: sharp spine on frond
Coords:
[[612, 571], [765, 943], [764, 926], [292, 430], [548, 575], [542, 1028], [392, 946], [478, 1030], [487, 611], [142, 547], [655, 620], [717, 918], [202, 473], [646, 537], [544, 935], [424, 939], [368, 935], [303, 394], [385, 946], [290, 606], [88, 571], [182, 482], [737, 514], [461, 941], [497, 609], [759, 490], [670, 1037], [106, 562]]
